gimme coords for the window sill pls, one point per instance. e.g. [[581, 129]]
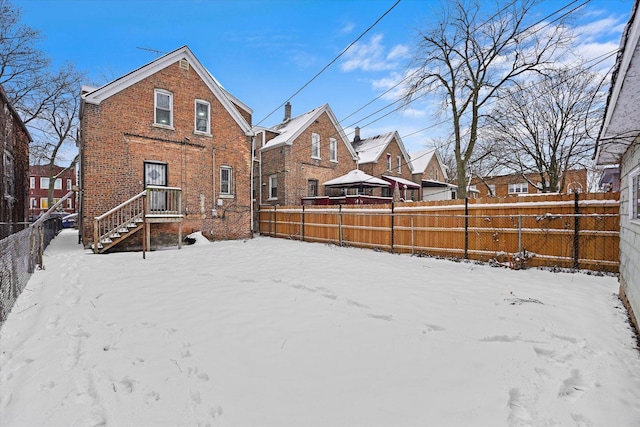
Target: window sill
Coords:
[[161, 126], [197, 132], [271, 199], [333, 161], [226, 196], [316, 158]]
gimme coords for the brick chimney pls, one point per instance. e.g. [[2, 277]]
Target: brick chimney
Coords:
[[287, 111], [356, 138]]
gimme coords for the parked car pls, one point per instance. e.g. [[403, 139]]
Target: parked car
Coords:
[[70, 220]]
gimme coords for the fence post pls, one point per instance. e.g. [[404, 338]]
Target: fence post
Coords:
[[466, 228], [576, 229], [520, 234], [392, 220], [339, 225], [302, 231]]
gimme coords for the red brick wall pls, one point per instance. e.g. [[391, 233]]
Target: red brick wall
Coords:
[[578, 176], [379, 168], [295, 167], [118, 136], [39, 171]]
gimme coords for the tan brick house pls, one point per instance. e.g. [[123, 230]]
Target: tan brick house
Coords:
[[170, 129], [14, 168], [296, 156], [384, 156]]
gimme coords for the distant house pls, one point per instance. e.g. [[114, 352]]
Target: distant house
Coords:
[[15, 168], [619, 143], [384, 156], [609, 179], [431, 173], [516, 184], [295, 157], [170, 134], [39, 188]]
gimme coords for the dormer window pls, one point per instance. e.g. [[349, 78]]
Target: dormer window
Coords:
[[163, 108]]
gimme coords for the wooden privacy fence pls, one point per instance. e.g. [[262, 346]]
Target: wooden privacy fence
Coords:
[[579, 231]]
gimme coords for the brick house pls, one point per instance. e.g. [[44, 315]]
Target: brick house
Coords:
[[384, 156], [515, 184], [168, 129], [431, 173], [39, 188], [295, 157], [619, 143], [15, 168]]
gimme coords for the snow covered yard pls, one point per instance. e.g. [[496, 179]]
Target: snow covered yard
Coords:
[[271, 332]]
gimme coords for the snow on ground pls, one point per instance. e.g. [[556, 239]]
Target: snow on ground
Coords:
[[270, 332]]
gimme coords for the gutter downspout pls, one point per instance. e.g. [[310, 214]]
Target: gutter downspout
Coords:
[[252, 186]]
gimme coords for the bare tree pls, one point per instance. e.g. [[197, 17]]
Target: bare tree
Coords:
[[469, 57], [547, 127], [46, 98]]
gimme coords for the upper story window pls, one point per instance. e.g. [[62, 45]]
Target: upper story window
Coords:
[[333, 149], [57, 185], [226, 180], [44, 183], [399, 160], [163, 108], [388, 162], [520, 187], [273, 187], [315, 145], [32, 182], [69, 184], [492, 189], [9, 175], [202, 117]]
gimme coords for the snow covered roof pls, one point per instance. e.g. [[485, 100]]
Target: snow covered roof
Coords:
[[290, 129], [402, 181], [356, 178], [96, 96], [621, 125], [421, 159], [370, 149]]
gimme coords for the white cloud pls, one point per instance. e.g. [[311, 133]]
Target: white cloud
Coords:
[[347, 28], [373, 56]]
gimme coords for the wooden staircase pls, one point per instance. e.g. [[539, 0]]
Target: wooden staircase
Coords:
[[154, 205]]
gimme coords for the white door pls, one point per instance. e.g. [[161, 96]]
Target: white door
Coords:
[[156, 174]]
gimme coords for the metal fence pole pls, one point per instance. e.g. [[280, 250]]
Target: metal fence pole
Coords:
[[412, 241], [520, 234], [340, 225], [576, 229], [302, 226], [466, 228], [392, 220]]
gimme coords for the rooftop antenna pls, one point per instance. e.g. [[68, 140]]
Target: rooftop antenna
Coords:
[[157, 52]]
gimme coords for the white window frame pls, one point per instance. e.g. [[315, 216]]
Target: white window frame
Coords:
[[69, 184], [157, 92], [44, 203], [518, 188], [69, 203], [57, 184], [492, 189], [312, 184], [315, 146], [32, 182], [389, 162], [9, 174], [229, 181], [399, 160], [634, 196], [333, 149], [273, 185], [33, 203], [207, 131], [44, 183]]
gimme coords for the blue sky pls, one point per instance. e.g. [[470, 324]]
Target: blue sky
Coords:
[[264, 51]]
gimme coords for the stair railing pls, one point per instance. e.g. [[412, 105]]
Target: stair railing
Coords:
[[107, 225]]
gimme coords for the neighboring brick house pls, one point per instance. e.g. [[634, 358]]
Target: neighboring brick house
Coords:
[[619, 143], [15, 168], [39, 188], [431, 173], [515, 184], [296, 156], [167, 124], [384, 156]]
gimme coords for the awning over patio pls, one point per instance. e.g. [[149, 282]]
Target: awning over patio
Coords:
[[356, 178], [403, 182]]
